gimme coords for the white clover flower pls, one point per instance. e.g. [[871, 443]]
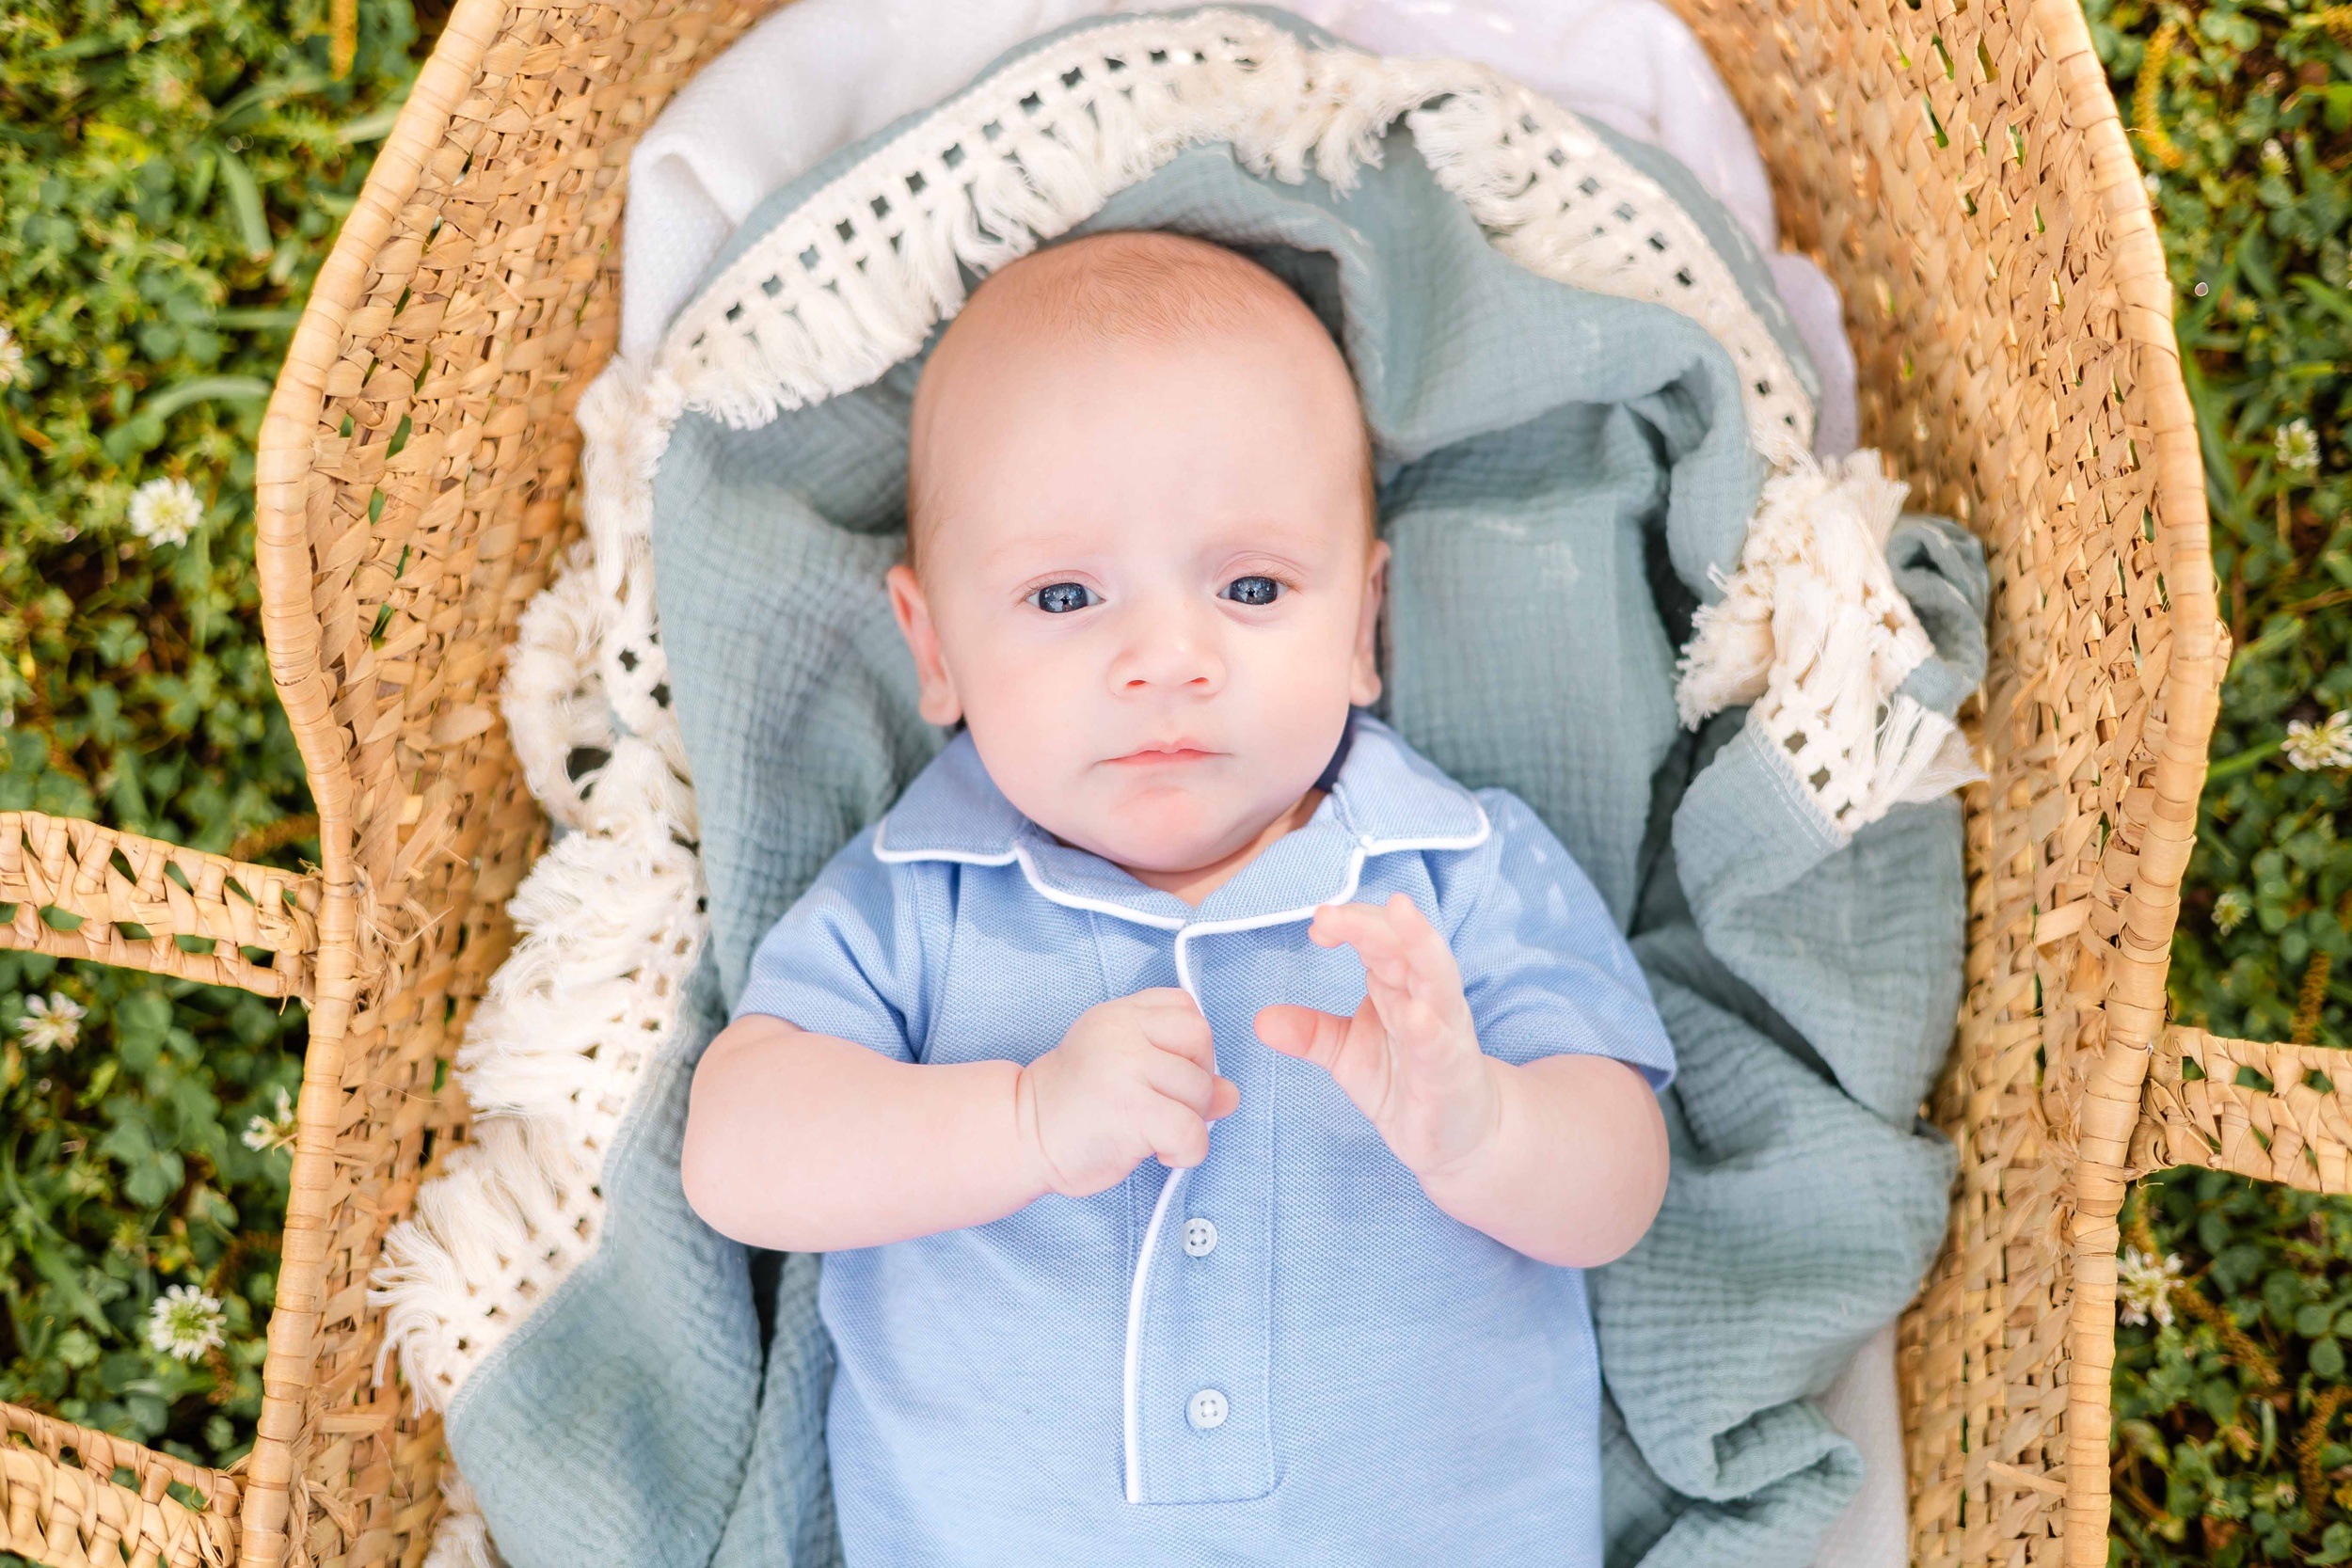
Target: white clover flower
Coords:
[[52, 1022], [165, 511], [2274, 157], [185, 1323], [2231, 909], [2297, 446], [2144, 1287], [2327, 745], [12, 357], [271, 1131]]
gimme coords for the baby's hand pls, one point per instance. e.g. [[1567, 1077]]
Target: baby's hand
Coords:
[[1410, 1058], [1134, 1077]]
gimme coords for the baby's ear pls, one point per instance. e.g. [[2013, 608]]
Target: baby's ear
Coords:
[[1364, 676], [936, 698]]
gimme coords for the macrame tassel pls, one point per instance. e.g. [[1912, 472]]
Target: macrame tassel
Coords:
[[462, 1539], [555, 707], [1812, 631], [1814, 526], [1954, 766], [624, 417], [1909, 743]]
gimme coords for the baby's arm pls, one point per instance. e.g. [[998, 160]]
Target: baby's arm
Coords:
[[1562, 1159], [1576, 1167], [803, 1142]]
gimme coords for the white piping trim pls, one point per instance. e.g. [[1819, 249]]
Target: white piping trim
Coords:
[[1100, 906], [1131, 1378], [908, 857]]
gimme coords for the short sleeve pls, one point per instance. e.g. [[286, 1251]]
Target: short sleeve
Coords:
[[846, 959], [1545, 970]]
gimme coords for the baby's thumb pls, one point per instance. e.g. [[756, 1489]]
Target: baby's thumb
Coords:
[[1303, 1031], [1224, 1100]]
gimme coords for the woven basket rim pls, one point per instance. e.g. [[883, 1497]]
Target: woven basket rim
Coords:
[[291, 629]]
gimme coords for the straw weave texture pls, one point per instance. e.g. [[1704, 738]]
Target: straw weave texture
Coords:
[[128, 900], [69, 1512], [1962, 176], [472, 294], [2277, 1113]]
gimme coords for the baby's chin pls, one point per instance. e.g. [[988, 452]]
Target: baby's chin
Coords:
[[1167, 835]]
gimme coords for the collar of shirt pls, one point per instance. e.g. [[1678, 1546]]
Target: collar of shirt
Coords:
[[1386, 796]]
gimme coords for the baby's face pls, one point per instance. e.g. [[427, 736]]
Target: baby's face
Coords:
[[1149, 587]]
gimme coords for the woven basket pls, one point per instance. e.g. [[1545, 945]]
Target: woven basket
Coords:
[[1960, 171]]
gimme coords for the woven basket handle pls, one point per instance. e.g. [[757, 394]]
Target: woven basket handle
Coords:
[[60, 1511], [2279, 1112], [76, 890]]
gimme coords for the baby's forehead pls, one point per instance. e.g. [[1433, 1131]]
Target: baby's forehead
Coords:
[[1145, 285], [1130, 326]]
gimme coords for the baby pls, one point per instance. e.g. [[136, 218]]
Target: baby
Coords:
[[1208, 1106]]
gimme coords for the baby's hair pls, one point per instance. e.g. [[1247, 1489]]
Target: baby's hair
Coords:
[[1140, 285]]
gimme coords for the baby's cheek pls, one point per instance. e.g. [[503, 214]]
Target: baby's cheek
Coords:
[[1299, 686], [1037, 720]]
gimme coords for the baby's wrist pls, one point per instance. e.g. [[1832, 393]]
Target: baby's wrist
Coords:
[[1469, 1168], [1031, 1156]]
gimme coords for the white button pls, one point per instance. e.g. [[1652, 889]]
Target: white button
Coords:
[[1206, 1410], [1200, 1237]]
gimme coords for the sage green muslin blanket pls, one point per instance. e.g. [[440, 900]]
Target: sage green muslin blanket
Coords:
[[1564, 476]]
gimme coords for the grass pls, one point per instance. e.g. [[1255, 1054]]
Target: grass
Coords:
[[2231, 1415]]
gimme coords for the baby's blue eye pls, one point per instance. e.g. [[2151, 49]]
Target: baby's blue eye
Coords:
[[1060, 598], [1252, 591]]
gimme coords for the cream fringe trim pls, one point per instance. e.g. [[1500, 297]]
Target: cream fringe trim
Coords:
[[611, 919], [1812, 631], [852, 281], [462, 1538], [609, 924]]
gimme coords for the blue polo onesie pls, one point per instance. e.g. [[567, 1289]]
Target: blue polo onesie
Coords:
[[1288, 1355]]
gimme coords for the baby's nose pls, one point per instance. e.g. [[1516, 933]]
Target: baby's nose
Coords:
[[1168, 668], [1171, 651], [1167, 674]]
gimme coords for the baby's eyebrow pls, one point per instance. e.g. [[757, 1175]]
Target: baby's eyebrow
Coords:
[[1071, 547]]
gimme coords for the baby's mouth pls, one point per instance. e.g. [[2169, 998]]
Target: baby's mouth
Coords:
[[1166, 755]]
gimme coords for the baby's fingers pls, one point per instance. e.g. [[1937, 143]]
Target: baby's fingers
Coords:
[[1188, 1083], [1390, 970], [1181, 1032], [1224, 1100], [1316, 1037], [1430, 971], [1176, 1134], [1364, 927]]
